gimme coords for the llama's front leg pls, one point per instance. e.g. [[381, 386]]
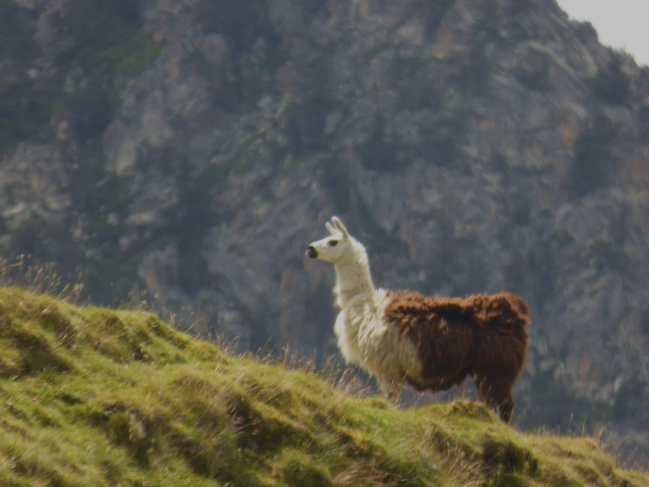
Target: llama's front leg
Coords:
[[390, 389]]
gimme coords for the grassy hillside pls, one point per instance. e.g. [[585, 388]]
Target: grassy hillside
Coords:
[[98, 397]]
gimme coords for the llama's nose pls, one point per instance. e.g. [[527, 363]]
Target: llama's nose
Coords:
[[311, 252]]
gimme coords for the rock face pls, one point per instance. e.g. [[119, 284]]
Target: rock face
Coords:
[[190, 149]]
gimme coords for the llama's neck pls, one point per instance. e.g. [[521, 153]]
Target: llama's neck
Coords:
[[352, 276]]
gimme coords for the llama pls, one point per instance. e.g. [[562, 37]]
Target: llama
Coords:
[[432, 343]]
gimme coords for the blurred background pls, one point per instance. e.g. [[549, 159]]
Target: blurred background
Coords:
[[185, 152]]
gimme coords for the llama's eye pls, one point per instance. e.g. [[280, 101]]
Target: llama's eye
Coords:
[[333, 243]]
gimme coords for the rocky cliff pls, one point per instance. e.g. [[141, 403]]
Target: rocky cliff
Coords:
[[190, 149]]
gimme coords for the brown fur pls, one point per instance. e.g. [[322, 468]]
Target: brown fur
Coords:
[[483, 336]]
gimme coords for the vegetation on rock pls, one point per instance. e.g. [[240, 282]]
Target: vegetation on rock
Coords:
[[95, 396]]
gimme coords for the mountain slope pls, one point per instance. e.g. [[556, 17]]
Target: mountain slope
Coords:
[[190, 149], [95, 396]]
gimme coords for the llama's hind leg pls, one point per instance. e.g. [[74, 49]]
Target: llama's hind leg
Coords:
[[496, 393]]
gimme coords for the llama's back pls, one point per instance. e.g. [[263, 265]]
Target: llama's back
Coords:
[[415, 315]]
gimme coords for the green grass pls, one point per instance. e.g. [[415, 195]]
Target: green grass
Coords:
[[94, 396]]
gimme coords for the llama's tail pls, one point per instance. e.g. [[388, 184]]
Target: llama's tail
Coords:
[[502, 310]]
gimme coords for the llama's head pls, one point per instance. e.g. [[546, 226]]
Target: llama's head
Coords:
[[332, 248]]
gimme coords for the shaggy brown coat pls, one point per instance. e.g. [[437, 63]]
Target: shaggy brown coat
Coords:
[[483, 336]]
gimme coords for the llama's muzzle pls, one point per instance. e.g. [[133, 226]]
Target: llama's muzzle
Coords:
[[311, 252]]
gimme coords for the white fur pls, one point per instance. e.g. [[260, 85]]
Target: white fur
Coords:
[[364, 335]]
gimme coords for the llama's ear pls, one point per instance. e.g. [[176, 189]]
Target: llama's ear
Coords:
[[330, 228], [339, 225]]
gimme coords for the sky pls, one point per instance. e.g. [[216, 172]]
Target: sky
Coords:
[[619, 23]]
